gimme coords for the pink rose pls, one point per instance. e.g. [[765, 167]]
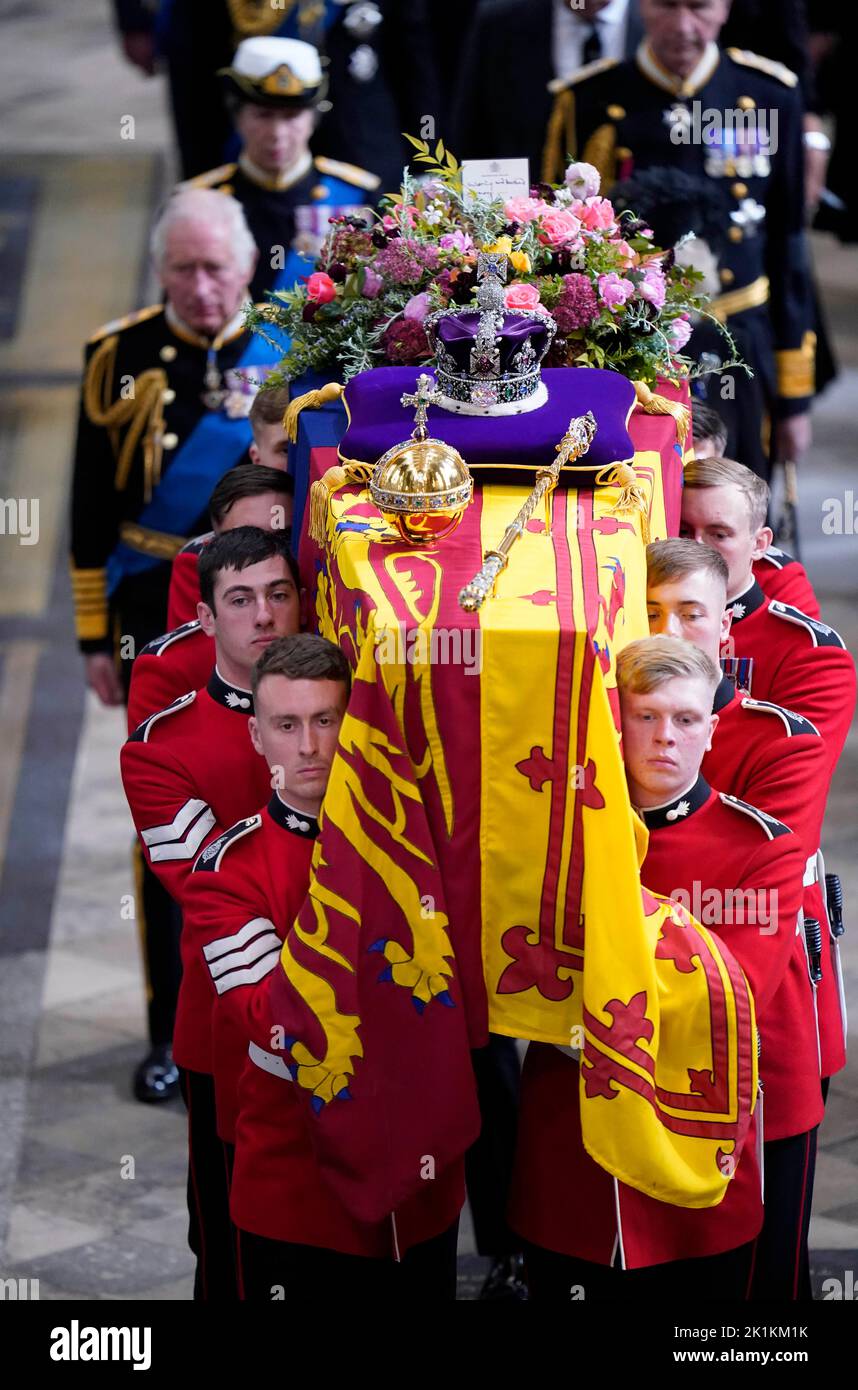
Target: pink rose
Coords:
[[321, 288], [615, 290], [595, 213], [558, 227], [372, 283], [627, 255], [524, 209], [417, 307], [678, 332], [519, 296], [583, 180], [652, 286]]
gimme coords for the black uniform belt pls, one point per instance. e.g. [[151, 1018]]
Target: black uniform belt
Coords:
[[149, 542], [724, 306]]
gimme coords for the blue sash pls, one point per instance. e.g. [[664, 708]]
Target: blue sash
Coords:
[[213, 446]]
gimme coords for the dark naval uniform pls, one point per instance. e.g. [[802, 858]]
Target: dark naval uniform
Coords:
[[289, 217], [163, 416], [149, 450], [631, 117]]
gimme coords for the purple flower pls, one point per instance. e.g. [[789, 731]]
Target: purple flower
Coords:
[[456, 240], [372, 283], [417, 307], [577, 305], [402, 262], [615, 290]]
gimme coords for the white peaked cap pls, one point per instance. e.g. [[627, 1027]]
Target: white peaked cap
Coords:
[[258, 58]]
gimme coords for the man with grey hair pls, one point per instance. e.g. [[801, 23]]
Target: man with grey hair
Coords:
[[164, 404]]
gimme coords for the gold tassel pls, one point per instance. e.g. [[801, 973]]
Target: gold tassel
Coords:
[[560, 136], [600, 152], [311, 400], [653, 404], [632, 497], [320, 499], [142, 411]]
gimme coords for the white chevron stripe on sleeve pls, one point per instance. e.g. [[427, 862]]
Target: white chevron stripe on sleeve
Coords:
[[260, 947], [231, 943], [187, 848], [251, 976], [160, 834]]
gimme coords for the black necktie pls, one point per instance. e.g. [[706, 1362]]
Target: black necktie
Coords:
[[592, 44]]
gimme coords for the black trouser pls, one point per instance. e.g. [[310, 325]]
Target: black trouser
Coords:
[[781, 1261], [276, 1270], [140, 614], [488, 1162], [553, 1278], [211, 1234]]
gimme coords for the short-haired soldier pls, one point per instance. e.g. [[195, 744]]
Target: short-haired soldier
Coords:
[[582, 1226], [242, 899], [189, 772]]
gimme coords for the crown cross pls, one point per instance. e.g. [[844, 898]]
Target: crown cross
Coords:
[[424, 395]]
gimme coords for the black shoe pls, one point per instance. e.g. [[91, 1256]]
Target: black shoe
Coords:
[[157, 1077], [505, 1280]]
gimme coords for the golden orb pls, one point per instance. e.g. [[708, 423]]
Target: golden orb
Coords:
[[422, 487]]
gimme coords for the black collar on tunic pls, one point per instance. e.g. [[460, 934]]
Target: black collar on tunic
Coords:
[[298, 822], [724, 694], [744, 604], [679, 809], [230, 696]]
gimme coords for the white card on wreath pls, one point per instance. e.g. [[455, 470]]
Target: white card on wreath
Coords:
[[495, 178]]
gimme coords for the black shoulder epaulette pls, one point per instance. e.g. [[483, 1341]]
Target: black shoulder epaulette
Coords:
[[197, 544], [127, 321], [349, 173], [767, 65], [159, 645], [821, 633], [210, 179], [792, 722], [209, 860], [142, 732], [559, 84], [778, 558], [770, 824]]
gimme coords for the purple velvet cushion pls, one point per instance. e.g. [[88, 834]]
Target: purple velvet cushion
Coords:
[[377, 420], [458, 334]]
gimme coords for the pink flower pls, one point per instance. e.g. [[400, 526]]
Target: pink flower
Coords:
[[372, 283], [524, 209], [678, 332], [456, 241], [615, 290], [417, 307], [519, 296], [652, 286], [577, 305], [405, 215], [583, 180], [399, 262], [595, 213], [321, 288], [558, 227], [627, 255]]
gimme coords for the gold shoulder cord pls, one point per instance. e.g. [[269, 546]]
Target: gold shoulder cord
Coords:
[[143, 412], [600, 152], [252, 18], [560, 138]]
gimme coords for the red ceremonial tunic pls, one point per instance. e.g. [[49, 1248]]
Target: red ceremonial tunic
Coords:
[[561, 1199], [242, 899], [189, 772], [776, 760], [783, 577], [803, 665], [172, 665], [184, 592]]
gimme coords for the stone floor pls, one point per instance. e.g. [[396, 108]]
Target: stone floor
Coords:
[[92, 1184]]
